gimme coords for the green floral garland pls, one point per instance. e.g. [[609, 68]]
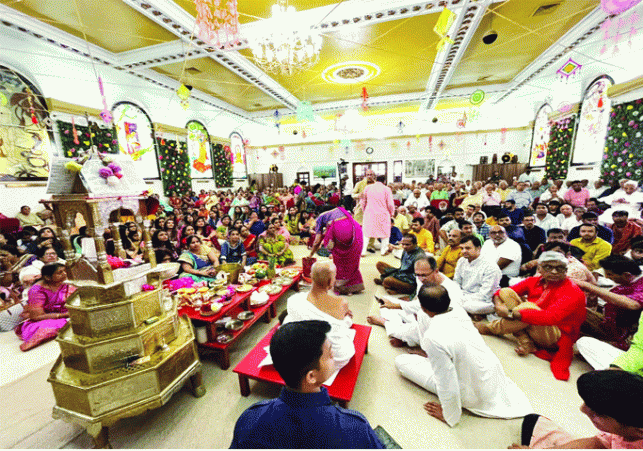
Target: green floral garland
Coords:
[[560, 148], [103, 138], [175, 166], [222, 165], [623, 157]]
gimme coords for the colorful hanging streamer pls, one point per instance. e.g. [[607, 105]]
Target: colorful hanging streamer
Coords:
[[445, 21], [569, 69], [364, 99], [32, 110], [74, 132], [218, 21], [462, 122], [105, 115], [304, 112]]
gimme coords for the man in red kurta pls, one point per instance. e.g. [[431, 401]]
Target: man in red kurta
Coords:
[[624, 231], [548, 323]]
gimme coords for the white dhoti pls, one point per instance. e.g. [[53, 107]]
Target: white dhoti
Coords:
[[417, 369]]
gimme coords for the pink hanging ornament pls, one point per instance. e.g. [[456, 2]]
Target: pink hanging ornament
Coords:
[[364, 99], [74, 131], [105, 115]]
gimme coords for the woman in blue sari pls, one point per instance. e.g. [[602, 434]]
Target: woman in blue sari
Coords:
[[198, 261]]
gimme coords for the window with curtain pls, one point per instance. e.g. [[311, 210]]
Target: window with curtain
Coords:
[[540, 137], [25, 129], [593, 122], [199, 151], [135, 135]]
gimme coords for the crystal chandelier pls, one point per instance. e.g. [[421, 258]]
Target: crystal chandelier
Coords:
[[287, 47]]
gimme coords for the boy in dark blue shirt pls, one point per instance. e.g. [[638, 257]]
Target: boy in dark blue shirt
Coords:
[[303, 416]]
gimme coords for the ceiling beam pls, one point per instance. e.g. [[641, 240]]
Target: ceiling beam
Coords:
[[378, 101], [172, 17], [160, 54], [468, 17], [579, 33]]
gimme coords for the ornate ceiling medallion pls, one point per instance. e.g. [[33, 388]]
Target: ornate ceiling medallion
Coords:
[[351, 72]]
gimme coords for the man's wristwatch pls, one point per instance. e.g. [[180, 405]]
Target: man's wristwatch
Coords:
[[511, 314]]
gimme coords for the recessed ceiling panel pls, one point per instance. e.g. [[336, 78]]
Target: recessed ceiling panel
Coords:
[[525, 28], [209, 76], [112, 25], [401, 51]]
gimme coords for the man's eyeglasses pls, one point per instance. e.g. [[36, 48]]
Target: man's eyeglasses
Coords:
[[423, 275], [552, 268]]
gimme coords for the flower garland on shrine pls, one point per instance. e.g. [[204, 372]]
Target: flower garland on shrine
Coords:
[[222, 160], [175, 166], [623, 157], [560, 147], [76, 139]]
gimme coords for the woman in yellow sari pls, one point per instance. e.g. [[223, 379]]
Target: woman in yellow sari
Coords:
[[273, 245]]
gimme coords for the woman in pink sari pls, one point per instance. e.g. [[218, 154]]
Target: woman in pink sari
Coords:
[[46, 312], [339, 227]]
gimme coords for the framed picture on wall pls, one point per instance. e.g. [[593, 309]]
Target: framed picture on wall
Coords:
[[135, 134], [419, 168], [320, 172], [199, 151]]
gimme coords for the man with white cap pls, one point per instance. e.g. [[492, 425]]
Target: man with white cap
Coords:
[[548, 323], [630, 200]]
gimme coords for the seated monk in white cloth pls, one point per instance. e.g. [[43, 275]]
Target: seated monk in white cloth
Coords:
[[459, 367], [319, 303]]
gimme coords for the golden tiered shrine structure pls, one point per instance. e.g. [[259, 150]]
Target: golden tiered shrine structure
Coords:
[[125, 350]]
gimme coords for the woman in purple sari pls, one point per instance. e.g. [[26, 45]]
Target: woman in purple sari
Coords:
[[337, 225], [46, 312]]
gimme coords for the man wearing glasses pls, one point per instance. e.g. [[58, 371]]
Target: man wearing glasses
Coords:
[[548, 322], [400, 317], [504, 251]]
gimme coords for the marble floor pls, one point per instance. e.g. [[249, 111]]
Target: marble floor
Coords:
[[382, 395]]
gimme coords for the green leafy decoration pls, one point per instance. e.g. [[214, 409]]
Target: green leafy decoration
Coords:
[[222, 166], [623, 156], [175, 166], [560, 148], [103, 138]]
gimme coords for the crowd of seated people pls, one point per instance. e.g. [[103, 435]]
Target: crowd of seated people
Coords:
[[544, 262]]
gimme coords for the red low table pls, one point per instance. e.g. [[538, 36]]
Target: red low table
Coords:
[[342, 388], [239, 303]]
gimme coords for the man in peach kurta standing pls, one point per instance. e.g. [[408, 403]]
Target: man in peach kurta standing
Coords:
[[377, 204]]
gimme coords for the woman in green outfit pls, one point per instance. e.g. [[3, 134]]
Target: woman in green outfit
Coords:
[[198, 261], [272, 245]]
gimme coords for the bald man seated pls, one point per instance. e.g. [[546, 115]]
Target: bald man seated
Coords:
[[321, 304]]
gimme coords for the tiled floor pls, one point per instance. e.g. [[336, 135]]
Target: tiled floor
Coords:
[[382, 395]]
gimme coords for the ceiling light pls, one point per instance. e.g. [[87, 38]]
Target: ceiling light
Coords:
[[490, 35], [286, 47]]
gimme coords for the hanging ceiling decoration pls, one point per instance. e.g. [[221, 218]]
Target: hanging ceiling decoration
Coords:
[[618, 6], [287, 47], [218, 22], [569, 69]]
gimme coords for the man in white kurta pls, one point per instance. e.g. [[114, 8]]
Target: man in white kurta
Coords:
[[478, 277], [629, 199], [459, 367], [400, 318]]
